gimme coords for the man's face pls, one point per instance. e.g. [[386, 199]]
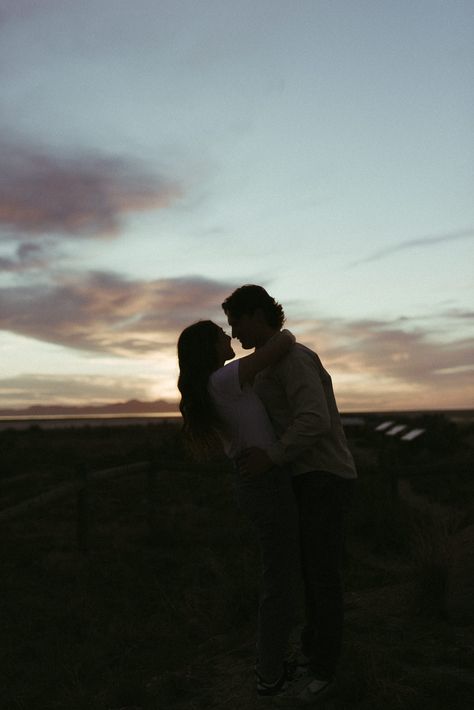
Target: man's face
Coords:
[[245, 329]]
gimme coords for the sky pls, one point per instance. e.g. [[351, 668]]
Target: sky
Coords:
[[158, 154]]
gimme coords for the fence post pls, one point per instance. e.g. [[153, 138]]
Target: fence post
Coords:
[[394, 485], [83, 505], [151, 491], [389, 468]]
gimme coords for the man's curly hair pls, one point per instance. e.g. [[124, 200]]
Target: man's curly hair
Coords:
[[245, 301]]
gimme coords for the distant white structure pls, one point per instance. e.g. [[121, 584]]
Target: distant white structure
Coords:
[[396, 430], [413, 434], [383, 426]]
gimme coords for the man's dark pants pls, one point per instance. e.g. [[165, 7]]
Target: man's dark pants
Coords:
[[322, 499]]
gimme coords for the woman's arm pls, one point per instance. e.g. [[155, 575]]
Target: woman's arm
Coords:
[[269, 354]]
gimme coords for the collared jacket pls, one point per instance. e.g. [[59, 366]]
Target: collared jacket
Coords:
[[299, 397]]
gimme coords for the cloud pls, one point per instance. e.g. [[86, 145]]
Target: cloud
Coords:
[[420, 362], [422, 242], [460, 314], [409, 353], [81, 195], [20, 9], [28, 256], [103, 312], [22, 390], [381, 364]]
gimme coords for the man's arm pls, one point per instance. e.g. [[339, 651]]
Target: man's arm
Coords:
[[269, 354]]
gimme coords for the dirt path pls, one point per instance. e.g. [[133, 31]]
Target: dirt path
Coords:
[[392, 660]]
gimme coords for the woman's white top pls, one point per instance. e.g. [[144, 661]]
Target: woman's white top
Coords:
[[246, 422]]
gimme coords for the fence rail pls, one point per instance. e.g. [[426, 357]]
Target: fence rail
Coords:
[[81, 487], [66, 489]]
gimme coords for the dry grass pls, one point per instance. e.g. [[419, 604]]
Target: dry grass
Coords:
[[164, 619]]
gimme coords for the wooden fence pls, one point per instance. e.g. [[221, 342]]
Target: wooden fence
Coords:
[[81, 487]]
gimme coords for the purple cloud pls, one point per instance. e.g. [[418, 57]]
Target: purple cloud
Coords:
[[80, 195], [400, 364], [104, 312], [19, 9], [404, 352], [27, 257], [375, 364]]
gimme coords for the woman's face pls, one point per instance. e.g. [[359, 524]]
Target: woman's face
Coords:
[[224, 348]]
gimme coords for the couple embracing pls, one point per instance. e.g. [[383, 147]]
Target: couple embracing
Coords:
[[275, 414]]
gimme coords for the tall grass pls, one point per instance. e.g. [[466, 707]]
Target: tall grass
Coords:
[[93, 631], [377, 514], [165, 618], [431, 552]]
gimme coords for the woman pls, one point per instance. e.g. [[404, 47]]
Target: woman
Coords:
[[218, 403]]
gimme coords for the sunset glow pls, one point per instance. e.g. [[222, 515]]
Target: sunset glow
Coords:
[[155, 156]]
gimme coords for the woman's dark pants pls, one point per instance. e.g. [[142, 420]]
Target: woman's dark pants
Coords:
[[269, 502]]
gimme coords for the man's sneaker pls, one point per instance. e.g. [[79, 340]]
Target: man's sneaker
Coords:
[[313, 689], [265, 689]]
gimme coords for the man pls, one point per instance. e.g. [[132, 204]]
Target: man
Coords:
[[298, 395]]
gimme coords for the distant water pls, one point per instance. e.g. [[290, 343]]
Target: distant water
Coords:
[[53, 421]]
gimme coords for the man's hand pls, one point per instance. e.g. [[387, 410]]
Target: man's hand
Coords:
[[254, 461]]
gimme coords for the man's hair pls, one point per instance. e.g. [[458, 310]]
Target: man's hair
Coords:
[[245, 301]]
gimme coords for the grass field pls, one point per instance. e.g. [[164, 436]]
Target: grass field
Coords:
[[163, 615]]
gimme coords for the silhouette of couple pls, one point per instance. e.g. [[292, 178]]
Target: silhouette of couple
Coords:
[[275, 414]]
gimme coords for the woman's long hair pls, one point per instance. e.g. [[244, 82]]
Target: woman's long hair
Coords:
[[198, 359]]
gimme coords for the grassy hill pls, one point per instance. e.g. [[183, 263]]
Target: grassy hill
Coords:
[[161, 612]]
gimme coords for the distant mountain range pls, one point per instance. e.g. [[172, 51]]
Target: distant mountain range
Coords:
[[133, 406]]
